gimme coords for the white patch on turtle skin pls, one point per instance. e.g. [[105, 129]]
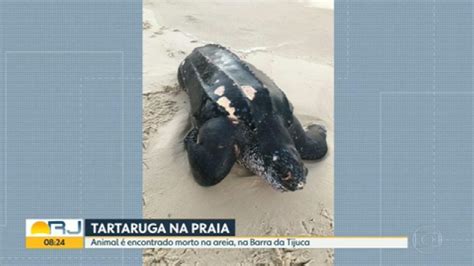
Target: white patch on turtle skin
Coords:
[[219, 91], [249, 91], [217, 81], [236, 150], [300, 185], [275, 158], [225, 102]]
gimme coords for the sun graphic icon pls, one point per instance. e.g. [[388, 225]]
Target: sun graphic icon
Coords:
[[40, 228]]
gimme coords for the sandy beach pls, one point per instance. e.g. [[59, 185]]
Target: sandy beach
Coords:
[[292, 42]]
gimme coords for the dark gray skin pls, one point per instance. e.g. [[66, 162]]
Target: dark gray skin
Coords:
[[241, 115]]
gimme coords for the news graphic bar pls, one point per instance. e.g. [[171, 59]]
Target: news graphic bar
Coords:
[[160, 227], [290, 242], [178, 233], [211, 233]]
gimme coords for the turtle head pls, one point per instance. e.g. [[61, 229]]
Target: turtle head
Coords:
[[283, 166], [285, 170]]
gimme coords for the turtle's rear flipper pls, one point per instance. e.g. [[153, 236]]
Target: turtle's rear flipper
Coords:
[[211, 150], [310, 144]]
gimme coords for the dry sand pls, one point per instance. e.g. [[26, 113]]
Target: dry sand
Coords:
[[291, 41]]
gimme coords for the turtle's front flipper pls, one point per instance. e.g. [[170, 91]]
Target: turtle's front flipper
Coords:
[[211, 150], [310, 144]]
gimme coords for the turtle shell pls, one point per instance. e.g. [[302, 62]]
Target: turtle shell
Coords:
[[219, 83]]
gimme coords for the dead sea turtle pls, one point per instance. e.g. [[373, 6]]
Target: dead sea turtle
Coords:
[[241, 115]]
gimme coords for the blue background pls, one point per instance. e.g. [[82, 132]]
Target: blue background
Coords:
[[404, 129], [70, 121]]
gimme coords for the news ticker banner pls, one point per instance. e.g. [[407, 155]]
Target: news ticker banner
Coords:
[[177, 233]]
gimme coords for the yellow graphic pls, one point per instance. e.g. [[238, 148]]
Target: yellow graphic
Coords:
[[40, 228], [54, 243]]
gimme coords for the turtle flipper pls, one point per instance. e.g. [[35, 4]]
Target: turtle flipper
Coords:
[[311, 144], [211, 150]]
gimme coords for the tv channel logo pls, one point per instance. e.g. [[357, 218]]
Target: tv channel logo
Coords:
[[54, 233], [54, 227]]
